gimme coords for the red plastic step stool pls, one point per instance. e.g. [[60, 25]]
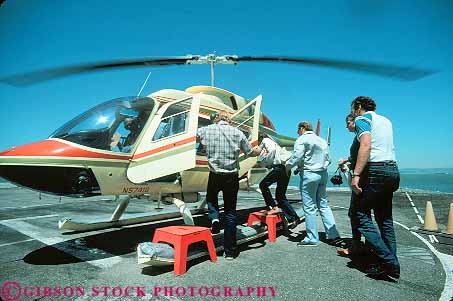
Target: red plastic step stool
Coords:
[[271, 221], [181, 237]]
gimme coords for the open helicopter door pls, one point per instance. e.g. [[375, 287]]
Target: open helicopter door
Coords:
[[168, 145], [248, 120]]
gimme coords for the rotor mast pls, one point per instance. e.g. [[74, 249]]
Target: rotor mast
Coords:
[[212, 59]]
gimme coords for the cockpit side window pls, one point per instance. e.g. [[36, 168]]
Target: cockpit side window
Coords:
[[174, 121]]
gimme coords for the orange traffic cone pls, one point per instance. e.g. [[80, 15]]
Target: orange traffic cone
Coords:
[[430, 219], [450, 220]]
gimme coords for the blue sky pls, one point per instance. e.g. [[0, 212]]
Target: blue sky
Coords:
[[43, 34]]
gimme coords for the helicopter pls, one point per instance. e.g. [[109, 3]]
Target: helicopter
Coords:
[[147, 146]]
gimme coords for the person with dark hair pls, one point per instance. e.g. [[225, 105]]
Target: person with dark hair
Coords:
[[274, 159], [363, 102], [375, 177], [354, 149], [223, 144], [311, 156], [132, 124]]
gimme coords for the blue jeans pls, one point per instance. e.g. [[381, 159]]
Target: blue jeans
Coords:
[[378, 182], [314, 197]]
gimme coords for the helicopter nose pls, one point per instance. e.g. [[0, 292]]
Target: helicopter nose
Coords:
[[36, 149], [42, 167]]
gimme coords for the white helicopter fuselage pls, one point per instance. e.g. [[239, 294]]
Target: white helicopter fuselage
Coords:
[[161, 160]]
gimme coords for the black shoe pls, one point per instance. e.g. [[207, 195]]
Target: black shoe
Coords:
[[336, 242], [381, 271], [392, 271], [292, 223], [215, 227], [231, 256], [375, 272], [285, 223]]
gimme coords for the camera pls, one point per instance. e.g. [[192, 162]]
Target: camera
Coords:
[[336, 180]]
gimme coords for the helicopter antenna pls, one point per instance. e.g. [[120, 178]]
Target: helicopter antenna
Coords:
[[146, 80]]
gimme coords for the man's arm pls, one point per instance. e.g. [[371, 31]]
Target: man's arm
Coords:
[[246, 147], [255, 151], [297, 156], [260, 147], [363, 133], [200, 133], [263, 146], [362, 159]]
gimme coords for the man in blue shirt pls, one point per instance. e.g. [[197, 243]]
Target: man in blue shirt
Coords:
[[375, 178]]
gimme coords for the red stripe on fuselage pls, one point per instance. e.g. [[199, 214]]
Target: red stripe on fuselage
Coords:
[[165, 147]]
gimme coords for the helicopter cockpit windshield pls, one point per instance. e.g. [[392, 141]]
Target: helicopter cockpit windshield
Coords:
[[113, 125]]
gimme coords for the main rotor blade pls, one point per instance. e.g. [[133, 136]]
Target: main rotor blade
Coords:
[[48, 74], [404, 73]]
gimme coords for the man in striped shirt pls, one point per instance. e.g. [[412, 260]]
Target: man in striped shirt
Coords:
[[223, 144]]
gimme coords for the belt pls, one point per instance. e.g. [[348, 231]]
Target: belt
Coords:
[[383, 163], [224, 173]]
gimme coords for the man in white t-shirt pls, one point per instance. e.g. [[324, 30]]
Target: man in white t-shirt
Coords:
[[375, 177], [274, 157]]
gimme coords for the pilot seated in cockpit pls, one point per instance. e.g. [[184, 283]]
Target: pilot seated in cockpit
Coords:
[[132, 124]]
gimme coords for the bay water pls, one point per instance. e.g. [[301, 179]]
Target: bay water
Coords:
[[427, 179]]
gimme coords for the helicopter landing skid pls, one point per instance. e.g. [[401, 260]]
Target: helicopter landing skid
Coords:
[[130, 219], [158, 254]]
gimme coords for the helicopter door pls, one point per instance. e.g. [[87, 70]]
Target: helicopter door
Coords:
[[168, 145], [248, 120]]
